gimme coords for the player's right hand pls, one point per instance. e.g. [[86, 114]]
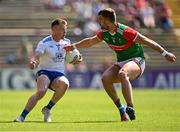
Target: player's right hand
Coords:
[[33, 64], [69, 48]]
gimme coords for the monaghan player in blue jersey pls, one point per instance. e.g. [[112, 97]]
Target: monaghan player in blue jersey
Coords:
[[49, 58]]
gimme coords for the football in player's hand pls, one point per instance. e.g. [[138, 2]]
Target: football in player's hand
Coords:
[[73, 56]]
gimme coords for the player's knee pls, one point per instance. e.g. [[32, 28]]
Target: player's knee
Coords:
[[122, 75], [40, 94], [105, 78], [61, 85], [65, 85]]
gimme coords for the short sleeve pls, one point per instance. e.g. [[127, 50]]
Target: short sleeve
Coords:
[[99, 35], [69, 42], [130, 34], [40, 47]]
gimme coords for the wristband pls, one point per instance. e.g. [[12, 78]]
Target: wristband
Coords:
[[164, 53], [74, 46]]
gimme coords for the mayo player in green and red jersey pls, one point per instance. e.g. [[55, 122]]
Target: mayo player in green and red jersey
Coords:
[[127, 44]]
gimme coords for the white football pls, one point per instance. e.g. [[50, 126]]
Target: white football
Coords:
[[72, 56]]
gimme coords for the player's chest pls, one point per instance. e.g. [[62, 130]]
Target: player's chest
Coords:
[[116, 39], [55, 50]]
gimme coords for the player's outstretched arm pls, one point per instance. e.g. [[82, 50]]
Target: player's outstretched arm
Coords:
[[34, 60], [146, 41], [85, 43]]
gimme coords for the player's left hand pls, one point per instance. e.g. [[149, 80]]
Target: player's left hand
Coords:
[[170, 57], [69, 48]]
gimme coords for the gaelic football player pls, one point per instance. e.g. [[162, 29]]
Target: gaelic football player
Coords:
[[49, 56], [127, 43]]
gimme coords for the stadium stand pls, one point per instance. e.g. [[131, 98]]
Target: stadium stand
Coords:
[[30, 18], [175, 4]]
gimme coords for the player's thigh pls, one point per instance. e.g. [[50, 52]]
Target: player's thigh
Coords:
[[60, 83], [132, 70], [42, 82], [111, 74]]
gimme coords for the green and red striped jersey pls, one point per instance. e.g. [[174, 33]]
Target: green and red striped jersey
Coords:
[[123, 42]]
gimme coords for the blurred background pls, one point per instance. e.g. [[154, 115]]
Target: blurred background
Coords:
[[23, 23]]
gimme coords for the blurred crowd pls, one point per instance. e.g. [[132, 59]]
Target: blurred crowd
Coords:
[[135, 13]]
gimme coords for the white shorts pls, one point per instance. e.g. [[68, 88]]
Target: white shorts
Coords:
[[138, 60]]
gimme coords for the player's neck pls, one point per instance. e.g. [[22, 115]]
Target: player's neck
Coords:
[[56, 38], [112, 27]]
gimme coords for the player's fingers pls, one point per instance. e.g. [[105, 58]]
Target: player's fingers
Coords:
[[68, 48], [174, 59], [77, 62], [174, 56]]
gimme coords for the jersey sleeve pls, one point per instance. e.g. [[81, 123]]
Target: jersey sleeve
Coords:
[[99, 35], [130, 34], [40, 47], [69, 42]]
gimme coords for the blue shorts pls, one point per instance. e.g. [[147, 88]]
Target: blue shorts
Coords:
[[50, 74]]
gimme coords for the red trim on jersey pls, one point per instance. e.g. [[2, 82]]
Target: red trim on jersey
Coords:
[[120, 48], [99, 35], [129, 34]]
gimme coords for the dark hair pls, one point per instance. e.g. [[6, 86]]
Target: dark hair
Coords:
[[58, 21], [109, 14]]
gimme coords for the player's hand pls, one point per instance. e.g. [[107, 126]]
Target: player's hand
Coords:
[[33, 64], [170, 57], [69, 48], [79, 60]]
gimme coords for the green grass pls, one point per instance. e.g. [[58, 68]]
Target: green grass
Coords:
[[93, 110]]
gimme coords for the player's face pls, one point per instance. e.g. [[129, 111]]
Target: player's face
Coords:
[[60, 30], [102, 22]]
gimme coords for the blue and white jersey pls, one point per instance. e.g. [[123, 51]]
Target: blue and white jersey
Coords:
[[52, 56]]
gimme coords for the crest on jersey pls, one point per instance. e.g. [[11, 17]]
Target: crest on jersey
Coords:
[[120, 40], [58, 57], [106, 39]]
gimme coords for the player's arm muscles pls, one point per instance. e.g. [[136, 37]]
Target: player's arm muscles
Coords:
[[87, 42], [150, 43]]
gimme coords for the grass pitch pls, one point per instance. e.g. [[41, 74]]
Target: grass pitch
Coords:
[[93, 110]]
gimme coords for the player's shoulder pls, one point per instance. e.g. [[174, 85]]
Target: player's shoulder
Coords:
[[46, 40], [122, 28], [67, 40]]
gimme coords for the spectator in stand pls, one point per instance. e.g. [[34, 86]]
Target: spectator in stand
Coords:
[[21, 54], [131, 15], [164, 14], [83, 8], [97, 5], [54, 4], [91, 27], [147, 15], [77, 30]]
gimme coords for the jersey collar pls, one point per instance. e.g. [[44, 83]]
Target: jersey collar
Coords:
[[115, 29]]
